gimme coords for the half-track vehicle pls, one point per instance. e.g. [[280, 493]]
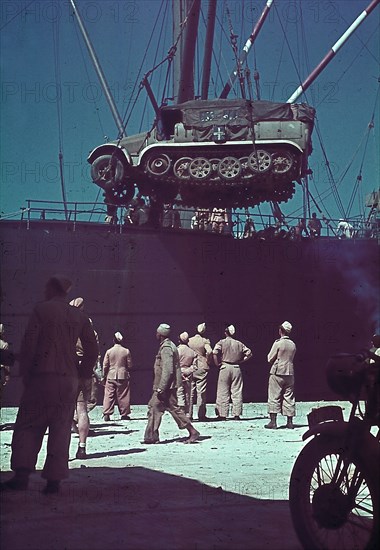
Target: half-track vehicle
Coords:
[[232, 153]]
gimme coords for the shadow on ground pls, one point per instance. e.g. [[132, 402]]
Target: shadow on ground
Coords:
[[141, 509]]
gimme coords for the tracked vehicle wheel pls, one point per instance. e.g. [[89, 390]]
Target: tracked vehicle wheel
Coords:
[[260, 161], [181, 168], [229, 168], [200, 168], [158, 166], [282, 162]]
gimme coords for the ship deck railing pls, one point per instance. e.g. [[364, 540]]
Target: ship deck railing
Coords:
[[74, 214]]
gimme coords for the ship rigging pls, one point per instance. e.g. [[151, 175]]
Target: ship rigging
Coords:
[[220, 152]]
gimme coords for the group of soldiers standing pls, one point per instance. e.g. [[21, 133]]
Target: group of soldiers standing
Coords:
[[57, 357]]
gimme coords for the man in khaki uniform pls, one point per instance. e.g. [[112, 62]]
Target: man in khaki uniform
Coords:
[[281, 378], [49, 368], [229, 353], [117, 365], [188, 364], [202, 347], [167, 378]]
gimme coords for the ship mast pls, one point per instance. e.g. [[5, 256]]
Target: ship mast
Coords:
[[328, 57], [102, 79], [247, 47], [185, 91], [208, 48]]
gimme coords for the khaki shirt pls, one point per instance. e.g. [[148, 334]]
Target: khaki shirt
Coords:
[[281, 356], [202, 348], [167, 372], [117, 363], [231, 351]]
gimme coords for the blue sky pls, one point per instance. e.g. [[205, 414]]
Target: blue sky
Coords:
[[47, 77]]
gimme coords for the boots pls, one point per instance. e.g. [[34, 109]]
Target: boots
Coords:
[[272, 424], [289, 423]]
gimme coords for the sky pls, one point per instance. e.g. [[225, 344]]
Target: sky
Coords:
[[51, 100]]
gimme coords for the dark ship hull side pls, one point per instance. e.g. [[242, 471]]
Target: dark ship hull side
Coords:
[[133, 281]]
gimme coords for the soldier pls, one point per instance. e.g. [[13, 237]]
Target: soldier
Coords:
[[5, 369], [314, 225], [87, 387], [281, 378], [219, 219], [202, 347], [117, 365], [167, 378], [49, 368], [229, 353], [188, 364]]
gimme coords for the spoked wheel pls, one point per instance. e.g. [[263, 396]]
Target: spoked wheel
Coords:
[[200, 168], [229, 168], [260, 161], [334, 501], [158, 166], [181, 168], [282, 162]]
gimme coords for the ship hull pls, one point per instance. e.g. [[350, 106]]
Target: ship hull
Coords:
[[133, 280]]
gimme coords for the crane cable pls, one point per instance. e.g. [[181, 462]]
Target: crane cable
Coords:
[[58, 84], [359, 177]]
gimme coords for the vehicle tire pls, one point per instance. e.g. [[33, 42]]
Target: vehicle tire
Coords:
[[107, 171], [325, 515]]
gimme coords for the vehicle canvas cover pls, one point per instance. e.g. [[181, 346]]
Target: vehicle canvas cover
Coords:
[[236, 115]]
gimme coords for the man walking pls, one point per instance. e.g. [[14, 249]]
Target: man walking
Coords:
[[202, 347], [117, 365], [281, 378], [167, 378], [48, 365], [229, 353]]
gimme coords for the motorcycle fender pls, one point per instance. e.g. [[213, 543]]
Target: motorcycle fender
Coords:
[[327, 428]]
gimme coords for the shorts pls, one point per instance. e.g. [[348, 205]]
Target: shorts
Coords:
[[84, 390]]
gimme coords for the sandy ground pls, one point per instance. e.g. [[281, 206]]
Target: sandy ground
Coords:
[[228, 490]]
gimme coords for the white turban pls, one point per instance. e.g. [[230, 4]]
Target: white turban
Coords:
[[184, 337], [231, 330], [163, 329], [286, 326], [77, 302], [201, 328], [118, 337]]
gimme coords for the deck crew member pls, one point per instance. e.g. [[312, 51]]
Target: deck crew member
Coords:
[[229, 353]]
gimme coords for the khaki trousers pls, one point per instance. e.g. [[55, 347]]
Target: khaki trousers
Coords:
[[117, 392], [156, 409], [199, 388], [281, 395], [230, 387]]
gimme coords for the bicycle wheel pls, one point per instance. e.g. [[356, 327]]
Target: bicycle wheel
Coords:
[[334, 501]]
